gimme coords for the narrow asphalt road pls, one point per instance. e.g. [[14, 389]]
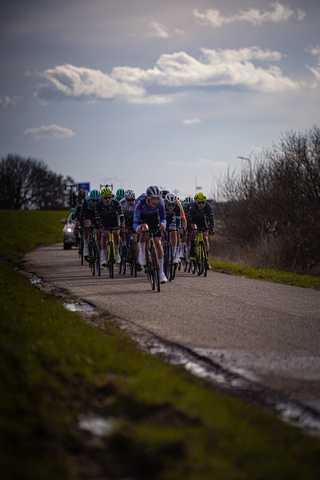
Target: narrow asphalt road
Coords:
[[264, 331]]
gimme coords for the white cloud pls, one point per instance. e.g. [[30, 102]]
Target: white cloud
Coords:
[[279, 14], [5, 100], [191, 121], [159, 30], [199, 163], [313, 50], [314, 70], [52, 131], [232, 68]]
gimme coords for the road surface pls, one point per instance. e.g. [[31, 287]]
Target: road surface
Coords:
[[266, 332]]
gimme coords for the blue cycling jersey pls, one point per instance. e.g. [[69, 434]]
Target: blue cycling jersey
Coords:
[[141, 208]]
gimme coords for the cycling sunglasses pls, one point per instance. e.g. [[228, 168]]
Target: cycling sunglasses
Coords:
[[154, 199], [106, 198], [201, 203], [130, 199], [171, 204]]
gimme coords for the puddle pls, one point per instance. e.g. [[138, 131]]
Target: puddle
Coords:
[[81, 307], [32, 277], [97, 425]]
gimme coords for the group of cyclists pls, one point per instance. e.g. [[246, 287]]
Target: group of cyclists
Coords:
[[158, 211]]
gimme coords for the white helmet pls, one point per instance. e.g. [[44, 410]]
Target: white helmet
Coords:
[[130, 194], [171, 198], [188, 200], [153, 192]]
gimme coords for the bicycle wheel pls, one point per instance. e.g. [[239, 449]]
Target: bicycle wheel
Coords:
[[81, 250], [150, 270], [97, 258], [155, 267], [133, 258], [111, 259], [193, 265], [203, 260], [169, 274], [91, 260]]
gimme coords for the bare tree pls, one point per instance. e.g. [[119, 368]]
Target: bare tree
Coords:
[[277, 202], [29, 184]]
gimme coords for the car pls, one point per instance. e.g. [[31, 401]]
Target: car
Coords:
[[69, 238]]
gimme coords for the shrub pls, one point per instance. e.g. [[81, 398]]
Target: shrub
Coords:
[[275, 205]]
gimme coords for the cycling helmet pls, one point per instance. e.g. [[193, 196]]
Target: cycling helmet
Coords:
[[164, 193], [106, 192], [188, 200], [153, 192], [95, 195], [200, 197], [130, 194], [120, 193], [171, 198]]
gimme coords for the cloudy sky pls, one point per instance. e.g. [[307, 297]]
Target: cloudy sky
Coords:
[[140, 92]]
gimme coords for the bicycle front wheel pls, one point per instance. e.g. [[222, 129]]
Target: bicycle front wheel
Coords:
[[92, 264], [203, 260], [133, 258], [111, 259], [150, 270], [97, 259], [81, 250], [155, 267]]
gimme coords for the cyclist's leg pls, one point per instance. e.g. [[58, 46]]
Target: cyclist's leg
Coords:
[[142, 243], [206, 243], [86, 223], [103, 243], [159, 252]]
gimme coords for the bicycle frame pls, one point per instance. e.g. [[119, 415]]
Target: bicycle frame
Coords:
[[200, 257], [111, 251]]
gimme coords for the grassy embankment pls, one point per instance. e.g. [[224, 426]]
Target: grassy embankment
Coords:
[[168, 424]]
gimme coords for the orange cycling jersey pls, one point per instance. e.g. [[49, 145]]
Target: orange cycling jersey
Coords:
[[183, 217]]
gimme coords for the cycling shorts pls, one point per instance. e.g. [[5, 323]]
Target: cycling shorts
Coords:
[[152, 221], [89, 215], [111, 222], [201, 223]]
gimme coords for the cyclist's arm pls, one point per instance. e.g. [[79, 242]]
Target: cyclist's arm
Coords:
[[162, 215]]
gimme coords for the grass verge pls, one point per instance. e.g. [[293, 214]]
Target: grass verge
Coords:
[[287, 278], [167, 424]]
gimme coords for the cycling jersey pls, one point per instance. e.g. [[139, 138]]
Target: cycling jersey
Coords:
[[173, 217], [108, 215], [201, 218], [87, 209], [183, 217], [128, 211], [143, 211]]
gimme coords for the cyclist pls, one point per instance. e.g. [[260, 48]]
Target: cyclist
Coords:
[[201, 217], [87, 216], [109, 215], [183, 223], [127, 205], [75, 215], [173, 218], [149, 213]]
